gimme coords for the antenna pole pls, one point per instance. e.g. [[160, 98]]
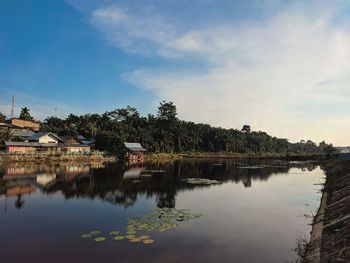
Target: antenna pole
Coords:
[[13, 107]]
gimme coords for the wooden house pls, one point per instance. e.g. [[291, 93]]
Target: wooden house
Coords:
[[24, 124], [46, 142], [135, 153]]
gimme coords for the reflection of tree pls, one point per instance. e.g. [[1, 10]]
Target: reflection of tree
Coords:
[[166, 200], [107, 183], [247, 181]]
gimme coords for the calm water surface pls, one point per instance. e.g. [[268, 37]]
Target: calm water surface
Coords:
[[256, 213]]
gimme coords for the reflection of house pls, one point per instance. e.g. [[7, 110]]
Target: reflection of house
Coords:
[[45, 179], [24, 124], [134, 152], [133, 173], [76, 169], [20, 190], [44, 142]]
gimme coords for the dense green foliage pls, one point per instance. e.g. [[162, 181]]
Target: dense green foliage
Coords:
[[166, 133], [2, 117]]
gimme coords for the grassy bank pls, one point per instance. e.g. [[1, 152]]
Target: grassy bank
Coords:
[[331, 227]]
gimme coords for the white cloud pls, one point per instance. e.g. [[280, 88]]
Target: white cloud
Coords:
[[130, 30], [262, 73]]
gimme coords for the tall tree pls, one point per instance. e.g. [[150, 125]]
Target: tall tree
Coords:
[[25, 114], [167, 111], [2, 117], [246, 128]]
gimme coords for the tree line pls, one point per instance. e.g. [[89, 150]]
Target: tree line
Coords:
[[165, 132]]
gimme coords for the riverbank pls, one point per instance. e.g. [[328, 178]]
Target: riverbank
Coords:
[[53, 158], [174, 156], [330, 236]]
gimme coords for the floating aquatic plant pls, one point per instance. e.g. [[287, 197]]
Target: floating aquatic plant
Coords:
[[163, 219], [148, 241], [118, 238], [100, 239], [200, 181], [134, 240], [252, 167]]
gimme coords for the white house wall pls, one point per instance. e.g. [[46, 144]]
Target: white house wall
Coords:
[[47, 139]]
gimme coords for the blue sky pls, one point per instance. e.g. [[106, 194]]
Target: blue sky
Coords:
[[281, 66]]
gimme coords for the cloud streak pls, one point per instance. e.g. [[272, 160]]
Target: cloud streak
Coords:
[[282, 75]]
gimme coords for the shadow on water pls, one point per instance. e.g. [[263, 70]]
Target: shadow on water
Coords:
[[121, 185]]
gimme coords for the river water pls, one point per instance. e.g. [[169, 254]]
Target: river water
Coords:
[[254, 211]]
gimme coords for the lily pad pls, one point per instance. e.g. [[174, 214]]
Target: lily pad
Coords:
[[86, 235], [130, 236], [131, 232], [114, 233], [134, 240], [144, 237], [200, 181], [148, 241], [118, 238], [96, 232], [100, 239]]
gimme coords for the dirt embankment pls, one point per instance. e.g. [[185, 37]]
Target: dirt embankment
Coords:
[[330, 236]]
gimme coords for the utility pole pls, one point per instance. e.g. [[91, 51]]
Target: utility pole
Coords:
[[13, 107]]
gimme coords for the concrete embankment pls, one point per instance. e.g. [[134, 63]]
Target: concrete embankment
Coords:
[[330, 236]]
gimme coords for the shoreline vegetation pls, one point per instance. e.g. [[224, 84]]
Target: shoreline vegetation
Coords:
[[215, 155], [330, 239], [158, 157], [166, 133], [54, 158]]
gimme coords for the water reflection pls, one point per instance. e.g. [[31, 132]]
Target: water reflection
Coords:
[[121, 185]]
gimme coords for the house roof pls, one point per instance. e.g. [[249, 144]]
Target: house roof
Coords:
[[36, 144], [75, 145], [28, 144], [23, 133], [81, 137], [4, 124], [33, 144], [86, 142], [36, 136], [134, 146]]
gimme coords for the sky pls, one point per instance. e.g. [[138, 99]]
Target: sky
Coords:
[[281, 66]]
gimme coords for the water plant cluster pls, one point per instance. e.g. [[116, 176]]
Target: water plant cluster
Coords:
[[163, 219], [199, 181]]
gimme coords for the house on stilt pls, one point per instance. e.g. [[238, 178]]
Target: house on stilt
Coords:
[[135, 153]]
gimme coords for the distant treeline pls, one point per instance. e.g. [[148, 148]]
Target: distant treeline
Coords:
[[164, 132]]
